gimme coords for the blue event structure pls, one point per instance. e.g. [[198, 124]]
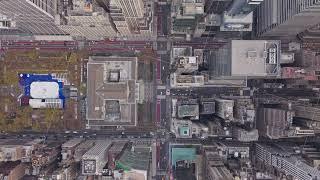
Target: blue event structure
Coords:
[[25, 81]]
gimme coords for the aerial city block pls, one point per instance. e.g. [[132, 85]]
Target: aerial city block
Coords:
[[159, 89]]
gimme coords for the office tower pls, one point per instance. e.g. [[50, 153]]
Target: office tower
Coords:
[[96, 158], [224, 109], [68, 149], [26, 17], [216, 6], [243, 7], [132, 17], [244, 111], [49, 6], [87, 19], [186, 14], [284, 161], [308, 112], [239, 16], [286, 17], [310, 115], [246, 59], [244, 135], [80, 150], [274, 123], [214, 167]]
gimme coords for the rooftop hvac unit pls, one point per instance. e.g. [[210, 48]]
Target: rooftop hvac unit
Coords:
[[182, 61], [272, 50], [252, 54], [272, 56]]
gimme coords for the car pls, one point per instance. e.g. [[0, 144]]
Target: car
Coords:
[[67, 132], [75, 132]]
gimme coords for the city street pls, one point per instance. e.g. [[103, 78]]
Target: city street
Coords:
[[204, 91], [161, 86], [160, 90]]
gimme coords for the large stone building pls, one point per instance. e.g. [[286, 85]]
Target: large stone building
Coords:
[[113, 91]]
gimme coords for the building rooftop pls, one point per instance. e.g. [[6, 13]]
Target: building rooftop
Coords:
[[237, 23], [188, 110], [179, 154], [118, 146], [29, 18], [7, 167], [181, 51], [219, 62], [99, 149], [255, 58], [188, 62], [220, 173], [112, 91], [208, 107], [72, 143], [138, 158], [178, 80], [184, 131], [296, 162]]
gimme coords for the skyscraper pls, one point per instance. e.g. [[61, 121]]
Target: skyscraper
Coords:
[[186, 15], [239, 16], [243, 7], [274, 123], [29, 17], [49, 6], [87, 19], [286, 17], [284, 161], [132, 17]]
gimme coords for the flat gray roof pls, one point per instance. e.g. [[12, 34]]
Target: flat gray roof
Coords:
[[188, 110], [250, 58]]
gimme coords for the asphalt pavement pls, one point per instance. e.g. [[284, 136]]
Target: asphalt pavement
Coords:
[[204, 91]]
